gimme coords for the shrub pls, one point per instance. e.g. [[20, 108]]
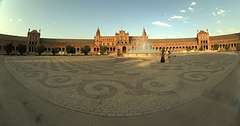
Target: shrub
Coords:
[[103, 49], [70, 50], [21, 49], [201, 48], [238, 47], [215, 47], [227, 47], [8, 48], [40, 49], [86, 50], [55, 51]]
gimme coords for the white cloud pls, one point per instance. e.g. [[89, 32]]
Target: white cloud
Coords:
[[193, 3], [183, 11], [175, 17], [190, 8], [219, 22], [10, 20], [161, 24], [219, 12], [219, 31], [19, 20]]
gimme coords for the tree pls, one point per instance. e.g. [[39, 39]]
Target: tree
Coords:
[[227, 47], [21, 48], [86, 50], [40, 49], [238, 47], [188, 49], [103, 50], [55, 51], [9, 48], [70, 50], [215, 47], [201, 48]]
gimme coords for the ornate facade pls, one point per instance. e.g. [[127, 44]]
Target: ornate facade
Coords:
[[121, 42]]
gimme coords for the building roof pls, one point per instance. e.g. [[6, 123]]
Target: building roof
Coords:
[[221, 37], [71, 41], [12, 38], [174, 40]]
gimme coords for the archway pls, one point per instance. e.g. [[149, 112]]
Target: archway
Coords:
[[124, 49]]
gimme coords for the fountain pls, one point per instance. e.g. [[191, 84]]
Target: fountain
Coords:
[[143, 49]]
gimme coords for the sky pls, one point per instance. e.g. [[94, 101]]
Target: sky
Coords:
[[81, 18]]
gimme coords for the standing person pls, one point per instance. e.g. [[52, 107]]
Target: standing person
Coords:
[[163, 56]]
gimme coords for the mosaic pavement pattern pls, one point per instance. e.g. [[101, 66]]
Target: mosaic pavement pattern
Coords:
[[120, 87]]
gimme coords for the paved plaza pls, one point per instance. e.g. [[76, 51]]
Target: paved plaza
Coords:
[[110, 87]]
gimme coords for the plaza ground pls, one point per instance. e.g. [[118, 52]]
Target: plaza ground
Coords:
[[96, 91]]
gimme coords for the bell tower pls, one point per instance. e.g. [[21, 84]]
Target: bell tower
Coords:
[[33, 40], [144, 35], [144, 32], [98, 36], [203, 40]]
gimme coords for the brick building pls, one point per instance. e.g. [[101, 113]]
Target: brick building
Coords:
[[121, 42]]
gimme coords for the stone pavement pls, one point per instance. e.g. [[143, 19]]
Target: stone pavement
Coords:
[[119, 91]]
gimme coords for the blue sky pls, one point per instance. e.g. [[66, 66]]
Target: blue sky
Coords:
[[80, 18]]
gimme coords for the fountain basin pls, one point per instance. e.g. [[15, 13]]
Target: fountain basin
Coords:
[[142, 54]]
